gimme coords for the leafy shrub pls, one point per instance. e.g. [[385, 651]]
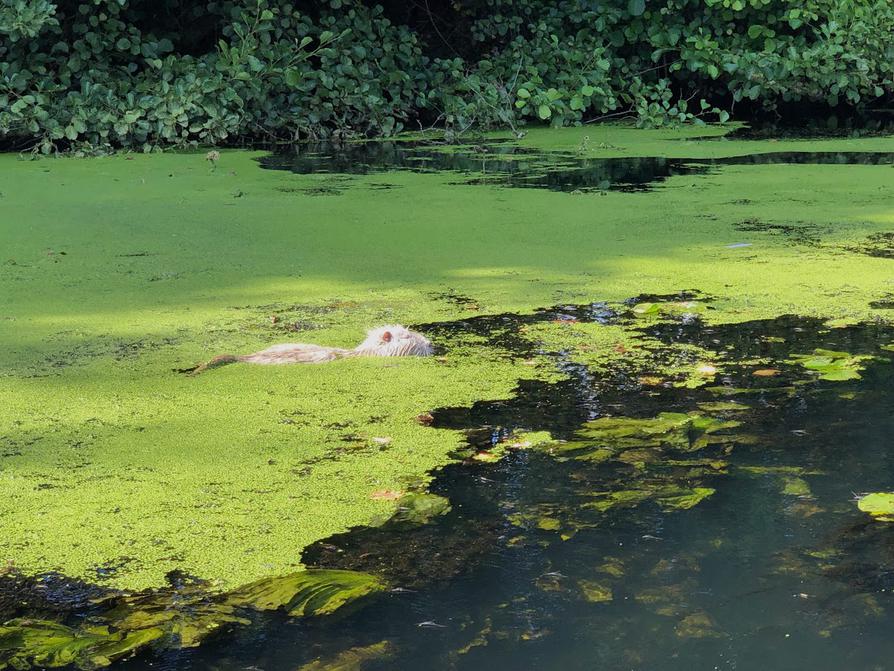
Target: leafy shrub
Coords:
[[100, 74]]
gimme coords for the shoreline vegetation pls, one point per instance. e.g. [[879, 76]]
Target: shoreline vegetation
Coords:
[[94, 77]]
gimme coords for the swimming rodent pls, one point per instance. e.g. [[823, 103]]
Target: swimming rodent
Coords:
[[393, 340]]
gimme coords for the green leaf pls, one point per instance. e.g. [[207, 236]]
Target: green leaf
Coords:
[[523, 93], [636, 7], [544, 112], [293, 77], [307, 39], [755, 31]]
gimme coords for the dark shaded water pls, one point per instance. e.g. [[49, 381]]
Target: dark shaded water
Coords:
[[507, 165], [545, 562]]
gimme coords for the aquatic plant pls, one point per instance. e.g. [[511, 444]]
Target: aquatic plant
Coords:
[[686, 432], [415, 508], [832, 365], [306, 593], [125, 624], [878, 504], [352, 659]]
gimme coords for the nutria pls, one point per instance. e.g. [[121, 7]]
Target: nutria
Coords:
[[392, 340]]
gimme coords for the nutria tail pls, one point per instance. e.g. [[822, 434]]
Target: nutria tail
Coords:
[[216, 362]]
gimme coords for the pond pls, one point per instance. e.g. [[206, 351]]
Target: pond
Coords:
[[670, 480]]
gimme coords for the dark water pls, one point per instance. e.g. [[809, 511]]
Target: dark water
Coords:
[[507, 165], [777, 569]]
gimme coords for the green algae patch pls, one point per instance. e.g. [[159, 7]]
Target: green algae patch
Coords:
[[677, 430], [698, 625], [831, 365], [416, 508], [668, 497], [116, 271], [307, 593], [595, 591], [184, 619], [879, 504], [26, 644], [352, 659], [795, 487]]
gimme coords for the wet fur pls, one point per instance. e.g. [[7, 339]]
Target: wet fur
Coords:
[[394, 340]]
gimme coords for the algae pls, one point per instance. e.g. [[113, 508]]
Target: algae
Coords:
[[831, 365], [681, 431], [182, 619], [879, 504], [306, 593], [595, 591], [352, 659], [416, 508], [117, 270]]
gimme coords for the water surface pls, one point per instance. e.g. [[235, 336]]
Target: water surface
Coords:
[[775, 569]]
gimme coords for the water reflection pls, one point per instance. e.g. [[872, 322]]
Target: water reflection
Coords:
[[507, 165]]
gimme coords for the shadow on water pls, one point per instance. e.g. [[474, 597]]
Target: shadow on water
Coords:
[[662, 527], [511, 166]]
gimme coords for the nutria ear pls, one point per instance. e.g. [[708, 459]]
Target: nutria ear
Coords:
[[386, 336]]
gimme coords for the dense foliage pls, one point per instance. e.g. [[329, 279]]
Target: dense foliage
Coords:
[[96, 74]]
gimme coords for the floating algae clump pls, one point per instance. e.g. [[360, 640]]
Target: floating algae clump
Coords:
[[38, 643], [595, 591], [352, 659], [831, 365], [878, 504], [311, 592], [668, 497], [676, 430], [416, 508], [632, 461], [182, 619]]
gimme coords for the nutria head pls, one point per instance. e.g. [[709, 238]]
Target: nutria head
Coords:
[[394, 340]]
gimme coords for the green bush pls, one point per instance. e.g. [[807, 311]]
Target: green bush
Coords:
[[95, 75]]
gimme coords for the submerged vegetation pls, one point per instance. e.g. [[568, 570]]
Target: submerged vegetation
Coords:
[[122, 625]]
